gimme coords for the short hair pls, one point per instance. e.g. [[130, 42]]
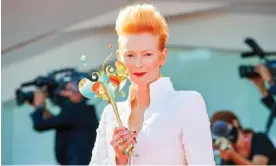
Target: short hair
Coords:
[[224, 115], [145, 18]]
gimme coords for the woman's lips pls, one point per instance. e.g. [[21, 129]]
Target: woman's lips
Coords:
[[139, 74]]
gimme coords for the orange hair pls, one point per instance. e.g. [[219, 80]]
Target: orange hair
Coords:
[[144, 18]]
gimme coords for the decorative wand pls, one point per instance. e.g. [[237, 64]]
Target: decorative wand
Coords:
[[104, 85]]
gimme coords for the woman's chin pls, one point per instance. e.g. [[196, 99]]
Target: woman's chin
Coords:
[[140, 81]]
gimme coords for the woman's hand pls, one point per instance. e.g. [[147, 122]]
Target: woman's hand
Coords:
[[122, 138]]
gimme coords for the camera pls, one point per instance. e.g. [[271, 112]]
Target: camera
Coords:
[[221, 143], [223, 135], [248, 71], [51, 84]]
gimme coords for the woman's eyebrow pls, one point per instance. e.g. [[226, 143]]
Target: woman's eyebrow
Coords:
[[143, 51], [129, 51], [148, 51]]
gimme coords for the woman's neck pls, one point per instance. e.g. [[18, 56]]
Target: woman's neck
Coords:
[[141, 97]]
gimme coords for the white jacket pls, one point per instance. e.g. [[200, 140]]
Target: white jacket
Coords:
[[176, 130]]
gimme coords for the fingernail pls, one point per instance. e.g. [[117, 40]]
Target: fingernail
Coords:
[[134, 138], [134, 132]]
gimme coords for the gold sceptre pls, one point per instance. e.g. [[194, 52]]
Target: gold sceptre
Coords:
[[115, 108], [112, 101], [104, 86]]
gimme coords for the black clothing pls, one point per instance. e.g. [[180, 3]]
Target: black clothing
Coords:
[[260, 145], [269, 102], [75, 132]]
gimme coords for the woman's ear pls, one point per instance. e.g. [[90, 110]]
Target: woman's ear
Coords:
[[163, 56]]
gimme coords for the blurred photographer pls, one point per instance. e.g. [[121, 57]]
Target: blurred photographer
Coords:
[[267, 98], [244, 146], [264, 77], [75, 125]]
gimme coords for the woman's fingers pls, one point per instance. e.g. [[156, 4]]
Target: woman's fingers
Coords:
[[118, 129], [127, 140], [122, 139], [115, 133], [115, 141], [123, 146], [128, 136]]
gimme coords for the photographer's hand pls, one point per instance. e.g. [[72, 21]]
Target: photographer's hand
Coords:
[[226, 155], [231, 155], [259, 83], [239, 159], [39, 98], [263, 71]]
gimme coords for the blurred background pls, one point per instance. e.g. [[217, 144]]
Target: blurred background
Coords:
[[205, 43]]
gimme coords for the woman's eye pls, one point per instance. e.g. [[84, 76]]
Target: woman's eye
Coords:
[[130, 55], [148, 54]]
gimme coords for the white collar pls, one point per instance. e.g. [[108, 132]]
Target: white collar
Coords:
[[158, 89]]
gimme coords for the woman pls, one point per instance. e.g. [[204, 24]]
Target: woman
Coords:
[[248, 147], [165, 126]]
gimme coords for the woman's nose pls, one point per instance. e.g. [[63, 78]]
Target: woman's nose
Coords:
[[138, 62]]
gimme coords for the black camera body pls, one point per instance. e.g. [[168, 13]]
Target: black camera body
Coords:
[[50, 84], [248, 71]]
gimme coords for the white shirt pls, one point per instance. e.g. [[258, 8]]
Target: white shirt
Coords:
[[176, 130]]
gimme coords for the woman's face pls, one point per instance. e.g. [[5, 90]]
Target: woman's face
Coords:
[[142, 57]]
